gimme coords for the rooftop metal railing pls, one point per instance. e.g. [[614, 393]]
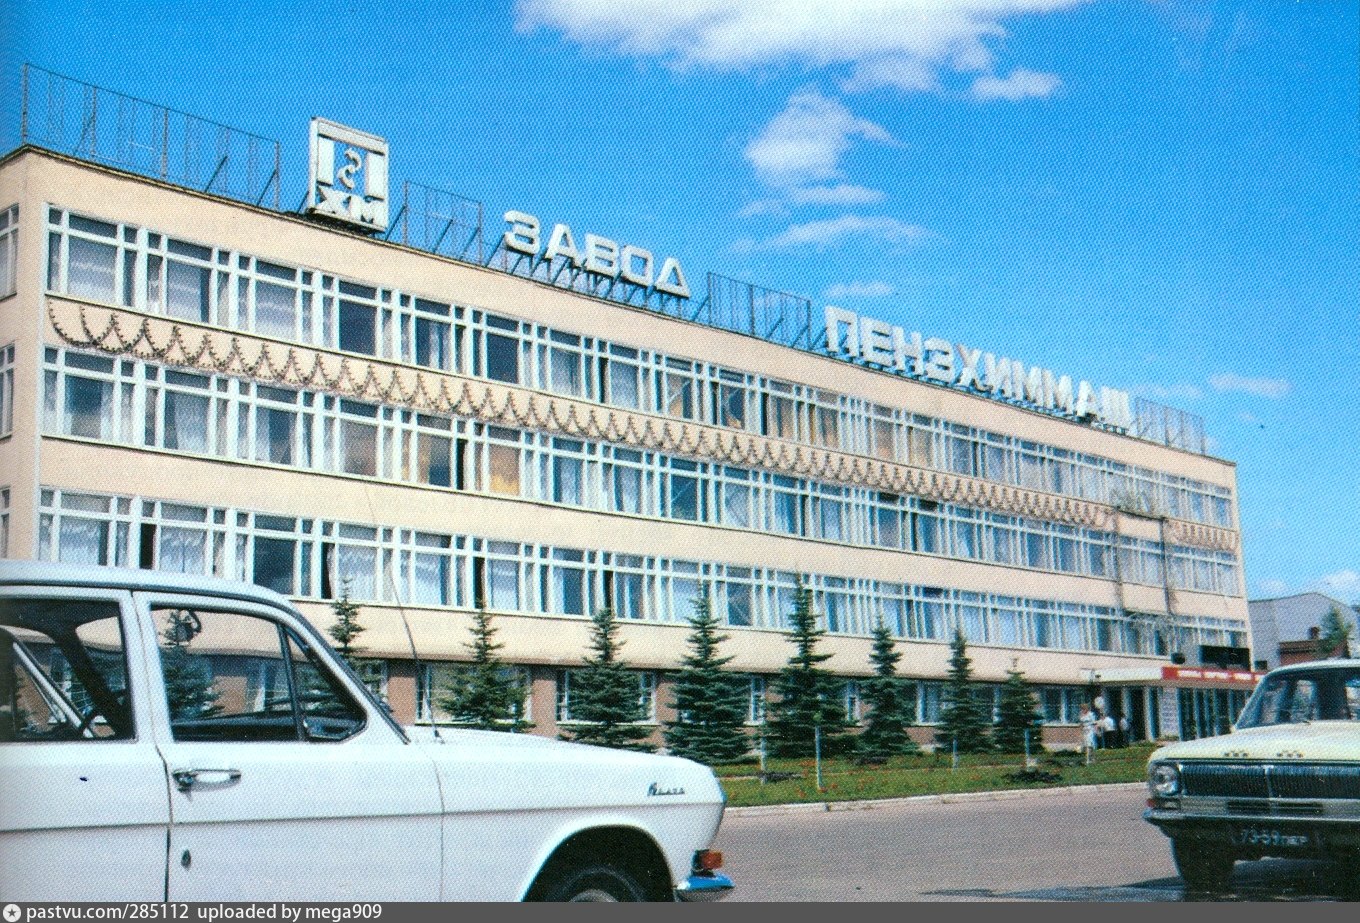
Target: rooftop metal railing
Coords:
[[79, 119], [90, 122]]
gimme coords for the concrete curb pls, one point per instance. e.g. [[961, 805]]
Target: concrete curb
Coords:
[[1010, 794]]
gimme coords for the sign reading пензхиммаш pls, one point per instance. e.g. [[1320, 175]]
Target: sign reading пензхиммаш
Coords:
[[879, 343]]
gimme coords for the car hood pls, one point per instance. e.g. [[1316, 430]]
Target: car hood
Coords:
[[1318, 740], [519, 771]]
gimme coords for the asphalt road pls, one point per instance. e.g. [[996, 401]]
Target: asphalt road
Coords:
[[1088, 846]]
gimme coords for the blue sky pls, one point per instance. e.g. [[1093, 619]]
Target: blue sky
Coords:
[[1157, 195]]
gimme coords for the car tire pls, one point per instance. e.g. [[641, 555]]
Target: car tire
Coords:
[[1202, 867], [593, 883]]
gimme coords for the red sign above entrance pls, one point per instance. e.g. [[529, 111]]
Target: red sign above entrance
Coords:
[[1240, 679]]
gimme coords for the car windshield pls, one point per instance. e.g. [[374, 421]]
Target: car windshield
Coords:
[[1301, 696]]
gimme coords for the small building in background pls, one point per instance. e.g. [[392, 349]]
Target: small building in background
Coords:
[[1286, 630]]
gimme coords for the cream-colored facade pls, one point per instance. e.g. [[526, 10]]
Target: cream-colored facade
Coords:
[[150, 386]]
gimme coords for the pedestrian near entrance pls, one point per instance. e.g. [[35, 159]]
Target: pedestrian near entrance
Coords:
[[1125, 738], [1088, 729], [1110, 731]]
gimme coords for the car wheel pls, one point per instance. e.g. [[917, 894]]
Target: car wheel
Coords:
[[1202, 867], [594, 883]]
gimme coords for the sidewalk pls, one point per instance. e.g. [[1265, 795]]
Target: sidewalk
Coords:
[[1012, 794]]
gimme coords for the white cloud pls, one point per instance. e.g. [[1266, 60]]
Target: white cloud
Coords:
[[1343, 585], [859, 290], [840, 194], [833, 231], [901, 44], [1178, 392], [760, 207], [1021, 84], [911, 75], [1261, 387], [804, 143]]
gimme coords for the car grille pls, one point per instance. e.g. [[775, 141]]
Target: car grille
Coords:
[[1270, 780], [1260, 806]]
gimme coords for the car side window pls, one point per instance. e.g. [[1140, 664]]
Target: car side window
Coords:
[[1351, 691], [1303, 705], [63, 671], [230, 676]]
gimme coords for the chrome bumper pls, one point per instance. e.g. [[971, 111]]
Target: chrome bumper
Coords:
[[704, 886]]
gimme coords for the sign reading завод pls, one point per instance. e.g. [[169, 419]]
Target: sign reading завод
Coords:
[[878, 343], [599, 255]]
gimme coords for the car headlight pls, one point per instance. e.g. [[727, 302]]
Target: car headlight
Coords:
[[1164, 779]]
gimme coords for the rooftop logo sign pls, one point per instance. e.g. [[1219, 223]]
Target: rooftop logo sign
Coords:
[[596, 255], [348, 176], [932, 359]]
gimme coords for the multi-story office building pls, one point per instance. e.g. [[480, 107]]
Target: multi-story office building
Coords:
[[197, 382]]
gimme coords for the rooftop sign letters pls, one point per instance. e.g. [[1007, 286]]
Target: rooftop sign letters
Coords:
[[878, 343], [596, 255], [348, 176]]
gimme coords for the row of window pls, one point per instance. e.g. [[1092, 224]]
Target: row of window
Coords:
[[312, 558], [144, 270], [1060, 705], [141, 403]]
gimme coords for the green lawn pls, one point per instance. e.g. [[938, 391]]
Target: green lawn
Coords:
[[923, 774]]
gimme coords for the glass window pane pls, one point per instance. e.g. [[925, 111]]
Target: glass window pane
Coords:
[[504, 461], [502, 585], [627, 489], [623, 384], [186, 422], [83, 541], [357, 327], [181, 551], [433, 461], [187, 288], [432, 343], [431, 579], [359, 442], [225, 677], [275, 310], [274, 564], [67, 686], [502, 358], [92, 272], [566, 480], [684, 497], [89, 410], [274, 435]]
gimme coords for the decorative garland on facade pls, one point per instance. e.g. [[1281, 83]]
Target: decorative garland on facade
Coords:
[[189, 345]]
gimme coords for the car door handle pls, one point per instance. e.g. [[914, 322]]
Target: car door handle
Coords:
[[188, 778]]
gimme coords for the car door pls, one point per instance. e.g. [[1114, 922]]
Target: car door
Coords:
[[83, 806], [286, 783]]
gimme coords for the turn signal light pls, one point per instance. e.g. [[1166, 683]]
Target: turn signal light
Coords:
[[708, 860]]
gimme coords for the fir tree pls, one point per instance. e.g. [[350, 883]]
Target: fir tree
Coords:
[[189, 686], [807, 697], [485, 694], [963, 720], [1334, 635], [710, 704], [1018, 712], [604, 694], [885, 733], [346, 627]]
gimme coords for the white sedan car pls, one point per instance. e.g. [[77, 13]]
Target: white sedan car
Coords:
[[166, 738], [1286, 782]]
